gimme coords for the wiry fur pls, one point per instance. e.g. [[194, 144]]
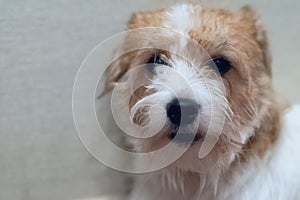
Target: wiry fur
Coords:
[[252, 158]]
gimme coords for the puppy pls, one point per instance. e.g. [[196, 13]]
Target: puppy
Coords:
[[200, 79]]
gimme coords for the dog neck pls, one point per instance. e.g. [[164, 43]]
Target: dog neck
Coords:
[[253, 154]]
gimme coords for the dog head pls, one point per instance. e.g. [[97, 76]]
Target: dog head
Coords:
[[199, 73]]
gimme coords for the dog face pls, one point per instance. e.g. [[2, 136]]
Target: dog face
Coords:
[[205, 70]]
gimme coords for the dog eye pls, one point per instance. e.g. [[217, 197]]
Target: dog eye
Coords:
[[157, 60], [222, 65]]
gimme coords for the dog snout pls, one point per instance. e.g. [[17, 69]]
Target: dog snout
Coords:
[[182, 111]]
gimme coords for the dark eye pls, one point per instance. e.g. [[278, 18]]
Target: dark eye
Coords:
[[156, 59], [222, 65]]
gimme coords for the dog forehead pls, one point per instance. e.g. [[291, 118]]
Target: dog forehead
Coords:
[[183, 17], [207, 27]]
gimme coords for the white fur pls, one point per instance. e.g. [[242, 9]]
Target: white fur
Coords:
[[184, 81], [274, 178], [181, 17], [277, 177]]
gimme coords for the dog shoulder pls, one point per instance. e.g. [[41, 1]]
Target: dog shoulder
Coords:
[[286, 160], [278, 175]]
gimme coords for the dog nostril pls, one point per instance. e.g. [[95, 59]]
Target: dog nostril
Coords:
[[182, 111]]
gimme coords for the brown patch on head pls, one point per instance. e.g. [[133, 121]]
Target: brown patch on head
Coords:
[[238, 37], [260, 34]]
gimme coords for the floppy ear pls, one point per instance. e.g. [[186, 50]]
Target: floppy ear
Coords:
[[120, 66], [115, 71], [249, 15]]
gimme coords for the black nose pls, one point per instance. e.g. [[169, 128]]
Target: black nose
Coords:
[[182, 111]]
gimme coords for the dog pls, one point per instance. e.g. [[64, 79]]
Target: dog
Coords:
[[203, 76]]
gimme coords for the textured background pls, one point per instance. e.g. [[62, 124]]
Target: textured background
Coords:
[[42, 44]]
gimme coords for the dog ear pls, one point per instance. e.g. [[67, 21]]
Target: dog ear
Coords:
[[146, 19], [114, 72], [120, 66], [262, 39], [248, 15]]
